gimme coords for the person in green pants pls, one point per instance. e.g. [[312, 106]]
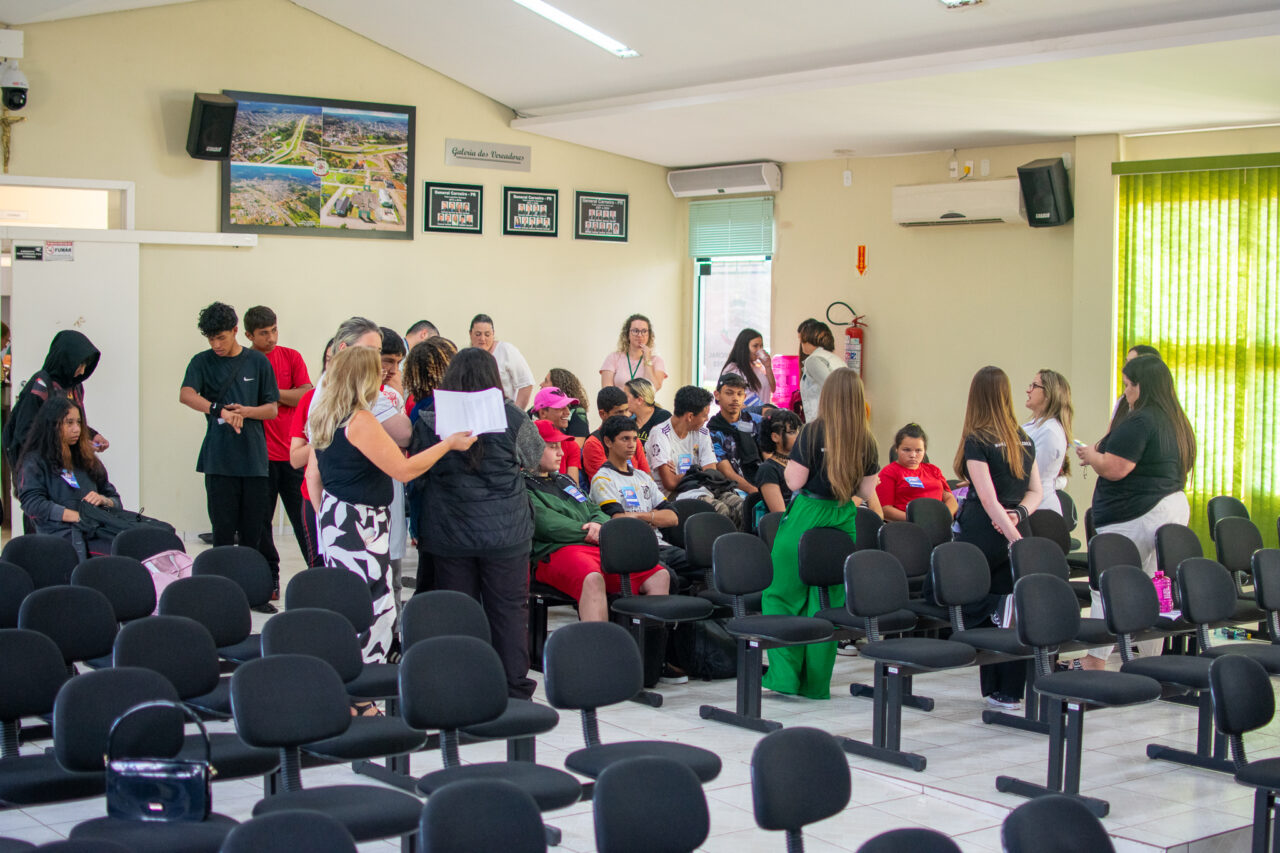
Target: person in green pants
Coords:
[[833, 470]]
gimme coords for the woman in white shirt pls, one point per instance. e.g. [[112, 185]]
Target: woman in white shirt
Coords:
[[1049, 400], [635, 357], [517, 378], [818, 345]]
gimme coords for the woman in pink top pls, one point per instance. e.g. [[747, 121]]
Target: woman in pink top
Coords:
[[909, 477], [635, 358]]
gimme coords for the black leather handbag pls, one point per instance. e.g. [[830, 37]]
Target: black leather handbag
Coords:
[[158, 789]]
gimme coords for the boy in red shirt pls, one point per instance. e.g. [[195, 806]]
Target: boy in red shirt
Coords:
[[283, 480]]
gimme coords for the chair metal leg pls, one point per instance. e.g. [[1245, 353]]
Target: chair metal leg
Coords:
[[537, 632], [1066, 722], [1263, 803], [645, 697], [886, 724], [1032, 719], [553, 835], [747, 715], [395, 772], [522, 749], [1211, 746], [1057, 734], [909, 699], [1074, 746]]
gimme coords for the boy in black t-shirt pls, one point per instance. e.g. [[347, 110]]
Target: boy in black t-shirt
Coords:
[[235, 389]]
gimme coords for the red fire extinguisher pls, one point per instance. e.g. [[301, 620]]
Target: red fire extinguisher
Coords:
[[855, 339]]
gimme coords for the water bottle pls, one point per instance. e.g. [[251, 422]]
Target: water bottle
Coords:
[[1164, 591]]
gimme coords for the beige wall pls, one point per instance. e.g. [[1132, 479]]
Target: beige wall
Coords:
[[111, 98]]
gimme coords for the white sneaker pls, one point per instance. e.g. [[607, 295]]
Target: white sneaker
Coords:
[[1007, 703], [673, 675], [847, 649]]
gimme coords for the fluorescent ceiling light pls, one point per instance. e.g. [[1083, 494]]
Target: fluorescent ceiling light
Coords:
[[573, 25]]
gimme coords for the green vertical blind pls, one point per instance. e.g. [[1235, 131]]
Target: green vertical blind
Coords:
[[1199, 279], [726, 228]]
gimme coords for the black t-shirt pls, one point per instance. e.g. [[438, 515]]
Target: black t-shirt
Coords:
[[1010, 490], [773, 471], [578, 426], [810, 451], [1146, 438], [246, 379], [659, 417]]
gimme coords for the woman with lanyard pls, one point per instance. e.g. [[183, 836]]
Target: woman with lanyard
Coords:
[[749, 360], [833, 471], [644, 408], [1142, 463], [634, 358]]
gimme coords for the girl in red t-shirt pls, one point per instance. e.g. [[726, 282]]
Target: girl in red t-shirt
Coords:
[[910, 477]]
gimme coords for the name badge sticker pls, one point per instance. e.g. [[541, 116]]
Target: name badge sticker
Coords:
[[914, 482], [630, 500], [69, 477], [684, 462], [574, 492]]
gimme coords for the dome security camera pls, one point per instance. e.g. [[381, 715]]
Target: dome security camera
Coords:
[[13, 85]]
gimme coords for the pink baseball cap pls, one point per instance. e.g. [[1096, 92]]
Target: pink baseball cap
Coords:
[[549, 433], [552, 398]]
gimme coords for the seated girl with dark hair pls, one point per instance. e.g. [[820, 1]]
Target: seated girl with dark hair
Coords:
[[909, 477], [57, 469], [778, 433]]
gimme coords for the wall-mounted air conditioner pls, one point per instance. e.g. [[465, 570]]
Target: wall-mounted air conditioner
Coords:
[[959, 203], [726, 180]]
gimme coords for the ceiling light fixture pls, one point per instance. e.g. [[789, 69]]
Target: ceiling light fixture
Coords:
[[573, 25], [954, 4]]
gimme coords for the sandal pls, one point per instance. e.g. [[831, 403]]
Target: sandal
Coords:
[[365, 709]]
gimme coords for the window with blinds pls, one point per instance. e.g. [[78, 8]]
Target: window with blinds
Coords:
[[729, 228]]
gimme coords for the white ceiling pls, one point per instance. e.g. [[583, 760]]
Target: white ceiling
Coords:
[[732, 80]]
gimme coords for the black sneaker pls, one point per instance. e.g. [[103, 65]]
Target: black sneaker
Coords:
[[266, 607], [672, 674]]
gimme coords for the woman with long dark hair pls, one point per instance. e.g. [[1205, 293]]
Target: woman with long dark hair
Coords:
[[1143, 463], [474, 517], [57, 469], [424, 370], [998, 460], [749, 360], [832, 470]]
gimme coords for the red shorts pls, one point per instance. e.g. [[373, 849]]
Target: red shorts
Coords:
[[568, 567]]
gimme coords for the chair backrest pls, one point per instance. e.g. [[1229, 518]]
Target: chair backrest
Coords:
[[123, 580], [630, 793], [1266, 578], [1175, 543], [73, 845], [1110, 549], [684, 510], [450, 682], [284, 701], [1235, 541], [215, 602], [15, 585], [246, 566], [1034, 555], [442, 613], [78, 619], [741, 564], [910, 544], [1090, 529], [332, 589], [799, 776], [627, 547], [1206, 591], [178, 648], [933, 516], [700, 533], [866, 525], [89, 704], [48, 559], [1048, 612], [1243, 698], [910, 840], [961, 575], [319, 633], [822, 554], [31, 673], [1047, 524], [874, 584], [1069, 512], [591, 664], [301, 829], [767, 530], [143, 542], [1224, 506], [481, 814], [1054, 824], [1130, 603]]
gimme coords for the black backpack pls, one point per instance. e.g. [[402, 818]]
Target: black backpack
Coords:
[[106, 522]]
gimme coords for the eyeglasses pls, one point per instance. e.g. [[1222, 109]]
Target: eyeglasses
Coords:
[[638, 331], [1036, 385]]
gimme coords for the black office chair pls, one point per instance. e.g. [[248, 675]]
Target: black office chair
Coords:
[[767, 530], [219, 604], [1047, 524], [1265, 568], [332, 589], [799, 776], [15, 585], [48, 559], [1224, 506], [911, 545], [1048, 616], [910, 840], [1208, 596], [481, 814], [79, 619], [876, 586], [141, 543], [684, 509], [1038, 555], [743, 566], [630, 794], [1235, 541], [244, 565], [123, 580], [1176, 543], [931, 515], [866, 527], [700, 534], [309, 830], [1244, 701], [1054, 824]]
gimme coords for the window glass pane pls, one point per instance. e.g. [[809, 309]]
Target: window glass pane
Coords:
[[733, 294]]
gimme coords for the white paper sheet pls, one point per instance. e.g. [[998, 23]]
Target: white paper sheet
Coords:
[[479, 412]]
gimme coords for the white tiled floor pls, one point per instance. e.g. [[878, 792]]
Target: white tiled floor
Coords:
[[1155, 806]]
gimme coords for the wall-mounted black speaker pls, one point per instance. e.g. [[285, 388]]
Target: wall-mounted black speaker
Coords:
[[1045, 192], [209, 137]]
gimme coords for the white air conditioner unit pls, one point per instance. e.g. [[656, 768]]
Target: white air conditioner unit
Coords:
[[959, 203], [726, 180]]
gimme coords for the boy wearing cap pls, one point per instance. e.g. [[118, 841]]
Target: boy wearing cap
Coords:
[[566, 536], [552, 405]]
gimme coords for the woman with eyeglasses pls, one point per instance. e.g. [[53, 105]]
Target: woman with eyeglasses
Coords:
[[909, 477], [644, 408], [635, 357], [1049, 400]]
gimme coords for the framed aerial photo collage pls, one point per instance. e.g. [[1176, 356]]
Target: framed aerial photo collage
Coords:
[[319, 166]]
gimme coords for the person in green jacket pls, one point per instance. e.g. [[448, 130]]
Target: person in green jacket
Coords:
[[566, 537]]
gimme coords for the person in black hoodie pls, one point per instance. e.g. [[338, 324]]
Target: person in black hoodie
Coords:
[[57, 470], [474, 516]]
